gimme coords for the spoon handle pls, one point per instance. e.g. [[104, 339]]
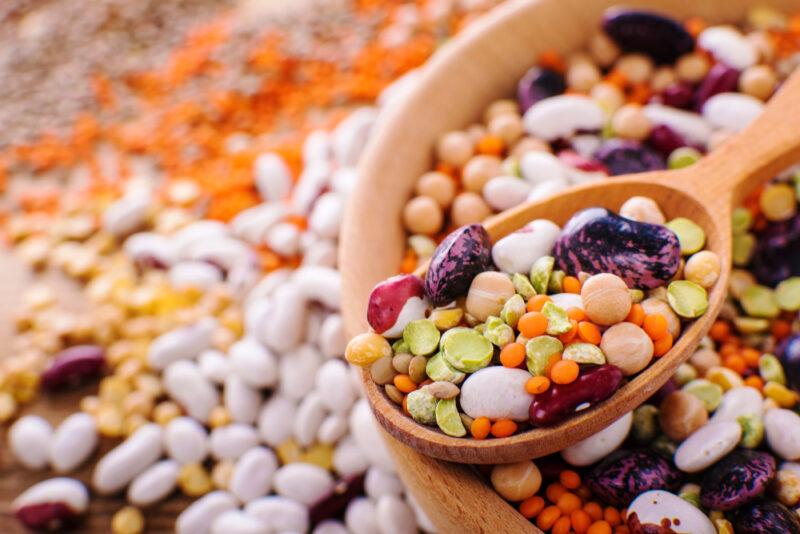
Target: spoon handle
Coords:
[[767, 146]]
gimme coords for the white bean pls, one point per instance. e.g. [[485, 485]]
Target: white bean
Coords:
[[732, 111], [364, 430], [283, 239], [782, 429], [563, 116], [196, 232], [282, 327], [542, 167], [303, 482], [214, 365], [196, 274], [252, 475], [275, 420], [395, 516], [127, 214], [326, 216], [117, 468], [317, 147], [298, 369], [182, 343], [241, 400], [154, 484], [267, 285], [690, 126], [151, 248], [254, 363], [186, 440], [378, 483], [332, 340], [320, 284], [272, 176], [344, 180], [187, 385], [60, 490], [253, 224], [349, 459], [312, 181], [280, 514], [225, 252], [333, 428], [361, 517], [198, 516], [29, 441], [229, 442], [334, 387], [309, 417], [237, 522], [330, 526], [504, 192], [729, 46], [352, 134], [599, 445], [322, 253], [73, 442]]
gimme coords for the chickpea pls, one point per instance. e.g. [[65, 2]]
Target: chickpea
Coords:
[[582, 76], [702, 268], [423, 215], [663, 77], [437, 186], [603, 49], [630, 122], [455, 148], [528, 144], [507, 127], [642, 209], [606, 299], [628, 347], [500, 107], [692, 67], [479, 170], [637, 68], [681, 414], [608, 96], [758, 81], [469, 208]]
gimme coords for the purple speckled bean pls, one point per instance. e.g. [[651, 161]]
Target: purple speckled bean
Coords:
[[334, 504], [462, 255], [628, 157], [623, 475], [538, 84], [737, 479], [720, 79], [654, 34], [593, 385], [765, 516], [74, 365], [596, 240]]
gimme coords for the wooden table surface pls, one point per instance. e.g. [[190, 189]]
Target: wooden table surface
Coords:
[[55, 407]]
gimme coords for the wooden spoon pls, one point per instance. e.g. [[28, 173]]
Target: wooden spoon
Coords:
[[705, 193]]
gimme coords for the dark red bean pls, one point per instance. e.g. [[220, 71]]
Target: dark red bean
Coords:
[[73, 366], [663, 392], [593, 385], [664, 139], [720, 79], [580, 162], [677, 95], [47, 516], [333, 505]]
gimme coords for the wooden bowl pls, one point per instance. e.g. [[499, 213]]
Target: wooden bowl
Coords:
[[482, 64]]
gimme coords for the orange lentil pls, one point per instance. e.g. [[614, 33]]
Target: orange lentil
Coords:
[[617, 78], [719, 331], [405, 406], [728, 348], [555, 358], [554, 491], [694, 25], [561, 526], [404, 383], [621, 529], [594, 510], [564, 372], [636, 315], [409, 263], [548, 517], [754, 381], [502, 428], [599, 527], [611, 515], [576, 314], [780, 328], [568, 503], [537, 384], [640, 93], [656, 326], [662, 346], [551, 59], [537, 302], [750, 356], [571, 285], [570, 479], [531, 506], [491, 145], [580, 521], [480, 428], [512, 355], [589, 332], [532, 324], [736, 363], [568, 336]]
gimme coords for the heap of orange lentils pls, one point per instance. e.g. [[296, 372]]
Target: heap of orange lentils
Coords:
[[186, 136]]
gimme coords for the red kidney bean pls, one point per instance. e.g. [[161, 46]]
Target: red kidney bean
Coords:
[[664, 139], [720, 79], [677, 95], [334, 504], [47, 516], [74, 365], [560, 400]]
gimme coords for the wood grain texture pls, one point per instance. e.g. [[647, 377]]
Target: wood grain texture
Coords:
[[479, 66]]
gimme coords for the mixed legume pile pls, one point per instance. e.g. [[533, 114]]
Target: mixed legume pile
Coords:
[[206, 243], [648, 93]]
